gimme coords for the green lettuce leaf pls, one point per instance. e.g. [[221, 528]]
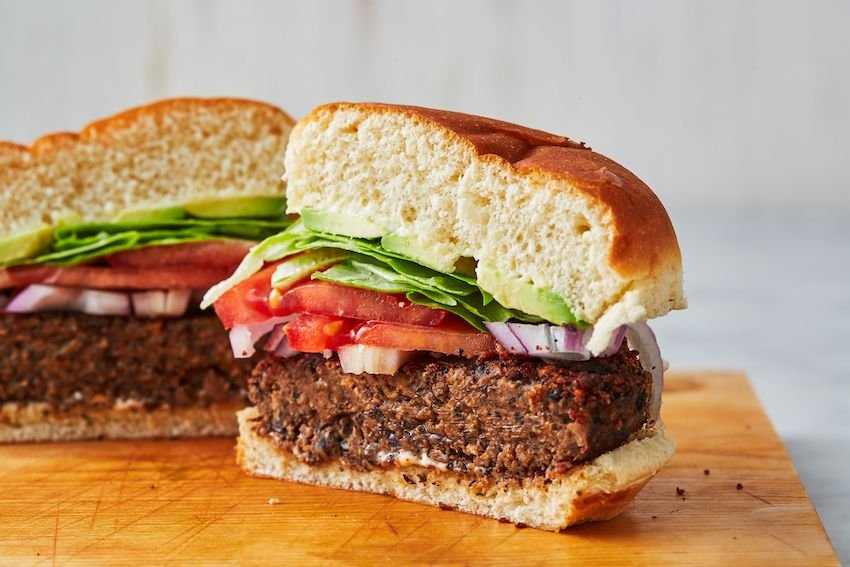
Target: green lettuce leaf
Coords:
[[367, 265], [422, 288], [271, 249], [83, 242]]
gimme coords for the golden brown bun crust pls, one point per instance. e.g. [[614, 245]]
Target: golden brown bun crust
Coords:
[[124, 119], [26, 423], [594, 491], [643, 236]]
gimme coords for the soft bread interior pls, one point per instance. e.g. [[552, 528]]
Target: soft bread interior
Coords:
[[431, 184], [598, 490], [165, 153], [22, 423]]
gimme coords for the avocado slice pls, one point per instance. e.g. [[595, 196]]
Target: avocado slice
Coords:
[[411, 249], [25, 244], [295, 269], [69, 218], [524, 296], [237, 206], [143, 214], [340, 223]]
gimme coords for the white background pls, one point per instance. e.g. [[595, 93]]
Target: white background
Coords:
[[736, 113]]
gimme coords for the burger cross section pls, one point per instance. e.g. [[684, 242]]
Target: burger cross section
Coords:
[[404, 328], [442, 307]]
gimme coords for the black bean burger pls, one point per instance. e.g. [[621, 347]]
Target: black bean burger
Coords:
[[458, 318]]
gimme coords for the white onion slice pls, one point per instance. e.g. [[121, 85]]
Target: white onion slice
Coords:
[[641, 338], [97, 302], [357, 359], [38, 297], [241, 342], [244, 337], [177, 302], [161, 303]]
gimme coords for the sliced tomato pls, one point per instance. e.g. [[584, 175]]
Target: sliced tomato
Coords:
[[317, 333], [325, 298], [453, 338], [247, 302], [222, 253], [112, 278]]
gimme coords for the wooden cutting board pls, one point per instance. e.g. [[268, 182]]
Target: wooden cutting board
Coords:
[[186, 502]]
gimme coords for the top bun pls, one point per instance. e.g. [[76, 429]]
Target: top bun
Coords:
[[164, 153], [527, 205]]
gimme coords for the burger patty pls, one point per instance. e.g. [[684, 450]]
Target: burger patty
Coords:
[[71, 359], [490, 419]]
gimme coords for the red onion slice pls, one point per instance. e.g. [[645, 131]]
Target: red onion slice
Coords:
[[534, 338], [505, 337], [278, 343], [568, 343], [550, 342], [276, 337], [616, 341], [283, 350], [244, 337], [641, 338], [38, 297]]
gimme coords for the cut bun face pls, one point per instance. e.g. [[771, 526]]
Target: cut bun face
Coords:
[[530, 208], [593, 491], [36, 421], [165, 153]]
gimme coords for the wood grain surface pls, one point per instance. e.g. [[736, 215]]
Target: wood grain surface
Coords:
[[186, 502]]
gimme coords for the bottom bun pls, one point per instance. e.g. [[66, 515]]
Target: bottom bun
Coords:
[[20, 423], [597, 490]]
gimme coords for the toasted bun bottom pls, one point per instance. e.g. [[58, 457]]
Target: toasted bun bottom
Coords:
[[598, 490], [35, 422]]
